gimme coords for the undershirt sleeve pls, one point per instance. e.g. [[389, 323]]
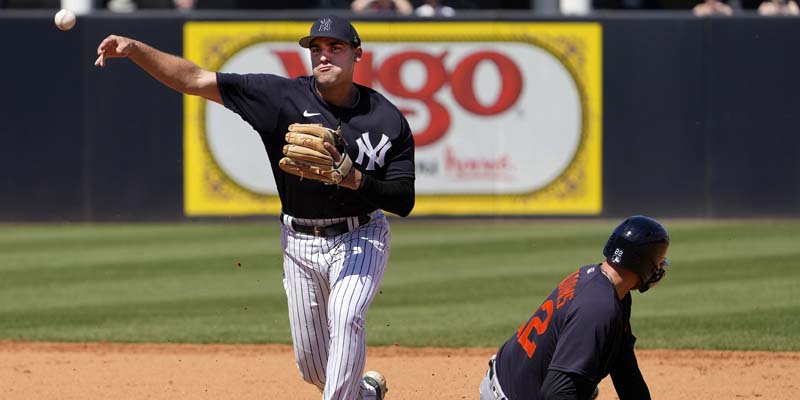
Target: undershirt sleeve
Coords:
[[395, 196]]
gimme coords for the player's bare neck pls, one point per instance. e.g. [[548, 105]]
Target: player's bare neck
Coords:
[[619, 277], [342, 95]]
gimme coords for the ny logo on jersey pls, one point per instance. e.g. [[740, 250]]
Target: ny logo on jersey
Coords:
[[375, 154], [324, 25], [617, 256]]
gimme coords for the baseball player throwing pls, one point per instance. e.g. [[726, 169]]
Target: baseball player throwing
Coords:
[[582, 333], [340, 153]]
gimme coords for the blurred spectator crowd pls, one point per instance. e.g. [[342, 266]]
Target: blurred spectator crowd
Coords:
[[431, 8]]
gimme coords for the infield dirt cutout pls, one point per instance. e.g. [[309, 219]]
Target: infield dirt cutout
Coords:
[[32, 371]]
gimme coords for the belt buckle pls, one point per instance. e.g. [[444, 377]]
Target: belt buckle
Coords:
[[319, 230]]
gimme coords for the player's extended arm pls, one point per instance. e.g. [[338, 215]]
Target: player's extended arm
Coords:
[[175, 72], [559, 385], [627, 378]]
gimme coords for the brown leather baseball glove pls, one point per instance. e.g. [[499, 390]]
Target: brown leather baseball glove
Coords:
[[306, 156]]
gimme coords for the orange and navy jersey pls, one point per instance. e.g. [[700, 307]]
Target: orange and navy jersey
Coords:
[[579, 329]]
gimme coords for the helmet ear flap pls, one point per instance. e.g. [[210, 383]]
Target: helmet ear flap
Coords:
[[654, 279]]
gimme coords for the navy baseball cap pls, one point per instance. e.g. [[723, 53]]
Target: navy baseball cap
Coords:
[[332, 26]]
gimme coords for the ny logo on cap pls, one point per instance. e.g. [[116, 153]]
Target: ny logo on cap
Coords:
[[324, 25]]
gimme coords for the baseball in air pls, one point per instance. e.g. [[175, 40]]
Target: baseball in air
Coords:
[[65, 19]]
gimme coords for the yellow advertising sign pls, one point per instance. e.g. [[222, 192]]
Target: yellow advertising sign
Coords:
[[507, 116]]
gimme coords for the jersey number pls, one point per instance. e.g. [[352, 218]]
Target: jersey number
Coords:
[[524, 331]]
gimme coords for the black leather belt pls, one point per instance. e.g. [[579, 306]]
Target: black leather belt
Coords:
[[327, 230]]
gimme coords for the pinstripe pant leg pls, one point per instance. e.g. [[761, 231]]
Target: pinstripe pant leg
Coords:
[[356, 273], [306, 284]]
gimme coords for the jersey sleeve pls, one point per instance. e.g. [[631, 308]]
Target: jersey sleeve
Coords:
[[558, 385], [590, 335], [401, 163], [254, 97]]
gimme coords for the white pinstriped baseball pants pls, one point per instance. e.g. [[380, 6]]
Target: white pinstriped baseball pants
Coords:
[[330, 283]]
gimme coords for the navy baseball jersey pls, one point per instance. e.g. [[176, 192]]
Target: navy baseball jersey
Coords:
[[581, 328], [378, 137]]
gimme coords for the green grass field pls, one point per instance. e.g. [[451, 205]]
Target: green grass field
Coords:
[[731, 285]]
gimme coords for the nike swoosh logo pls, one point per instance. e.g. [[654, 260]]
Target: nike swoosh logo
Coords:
[[309, 114]]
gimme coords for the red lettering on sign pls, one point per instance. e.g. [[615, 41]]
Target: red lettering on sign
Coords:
[[436, 76], [476, 167], [364, 73], [292, 63], [464, 77]]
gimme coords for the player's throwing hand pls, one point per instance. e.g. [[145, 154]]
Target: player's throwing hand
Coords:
[[113, 47]]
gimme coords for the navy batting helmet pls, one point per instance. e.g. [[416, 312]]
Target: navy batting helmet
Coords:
[[639, 244]]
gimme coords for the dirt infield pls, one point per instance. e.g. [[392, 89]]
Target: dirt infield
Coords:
[[32, 371]]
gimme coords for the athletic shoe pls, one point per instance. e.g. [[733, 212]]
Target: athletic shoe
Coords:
[[377, 381]]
